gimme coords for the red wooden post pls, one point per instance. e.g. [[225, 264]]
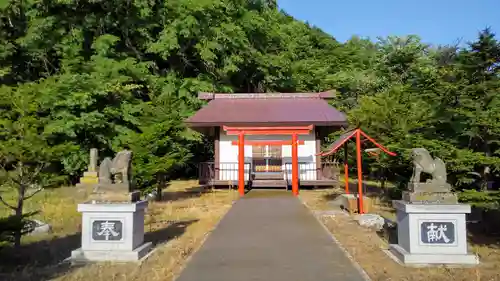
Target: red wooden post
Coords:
[[295, 165], [241, 164], [360, 172], [346, 170]]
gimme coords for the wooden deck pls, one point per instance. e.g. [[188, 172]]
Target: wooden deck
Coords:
[[210, 175], [271, 183], [222, 183]]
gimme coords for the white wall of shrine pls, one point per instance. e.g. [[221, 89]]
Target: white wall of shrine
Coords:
[[228, 155]]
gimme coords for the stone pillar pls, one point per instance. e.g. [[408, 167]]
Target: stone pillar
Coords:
[[93, 160], [91, 175]]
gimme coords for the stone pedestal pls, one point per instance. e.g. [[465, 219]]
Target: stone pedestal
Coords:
[[113, 187], [89, 178], [424, 197], [432, 234], [113, 195], [429, 193], [112, 231]]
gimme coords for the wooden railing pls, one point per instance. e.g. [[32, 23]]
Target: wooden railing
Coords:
[[225, 171], [309, 172], [329, 171], [228, 171]]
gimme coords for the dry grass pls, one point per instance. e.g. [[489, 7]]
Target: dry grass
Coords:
[[177, 226], [366, 247]]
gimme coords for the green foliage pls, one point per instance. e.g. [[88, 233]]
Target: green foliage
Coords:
[[481, 199], [444, 99], [27, 156], [11, 225], [114, 74]]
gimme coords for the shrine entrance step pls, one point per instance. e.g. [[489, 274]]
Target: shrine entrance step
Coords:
[[268, 176], [269, 184]]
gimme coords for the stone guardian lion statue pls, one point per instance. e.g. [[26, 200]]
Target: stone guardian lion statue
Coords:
[[120, 166], [423, 162]]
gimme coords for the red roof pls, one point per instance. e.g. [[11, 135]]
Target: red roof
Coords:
[[268, 111]]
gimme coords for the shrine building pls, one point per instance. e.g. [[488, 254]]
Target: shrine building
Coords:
[[267, 140]]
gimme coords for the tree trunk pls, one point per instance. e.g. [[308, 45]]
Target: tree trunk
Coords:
[[18, 213], [382, 183], [160, 187], [486, 170]]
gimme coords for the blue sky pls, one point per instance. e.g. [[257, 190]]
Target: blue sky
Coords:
[[435, 21]]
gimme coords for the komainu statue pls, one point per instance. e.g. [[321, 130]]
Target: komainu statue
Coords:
[[120, 166], [423, 162], [105, 171], [116, 170]]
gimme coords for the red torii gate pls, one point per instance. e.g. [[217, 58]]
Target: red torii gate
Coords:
[[294, 142], [342, 140]]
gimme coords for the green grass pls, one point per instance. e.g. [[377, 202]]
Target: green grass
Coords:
[[367, 248], [57, 207], [374, 183], [177, 226]]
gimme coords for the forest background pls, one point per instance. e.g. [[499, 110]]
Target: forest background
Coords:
[[117, 74]]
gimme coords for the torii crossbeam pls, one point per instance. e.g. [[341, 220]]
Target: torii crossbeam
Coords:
[[342, 140]]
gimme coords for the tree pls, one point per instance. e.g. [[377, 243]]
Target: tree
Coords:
[[26, 153], [479, 104], [162, 144], [110, 74]]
